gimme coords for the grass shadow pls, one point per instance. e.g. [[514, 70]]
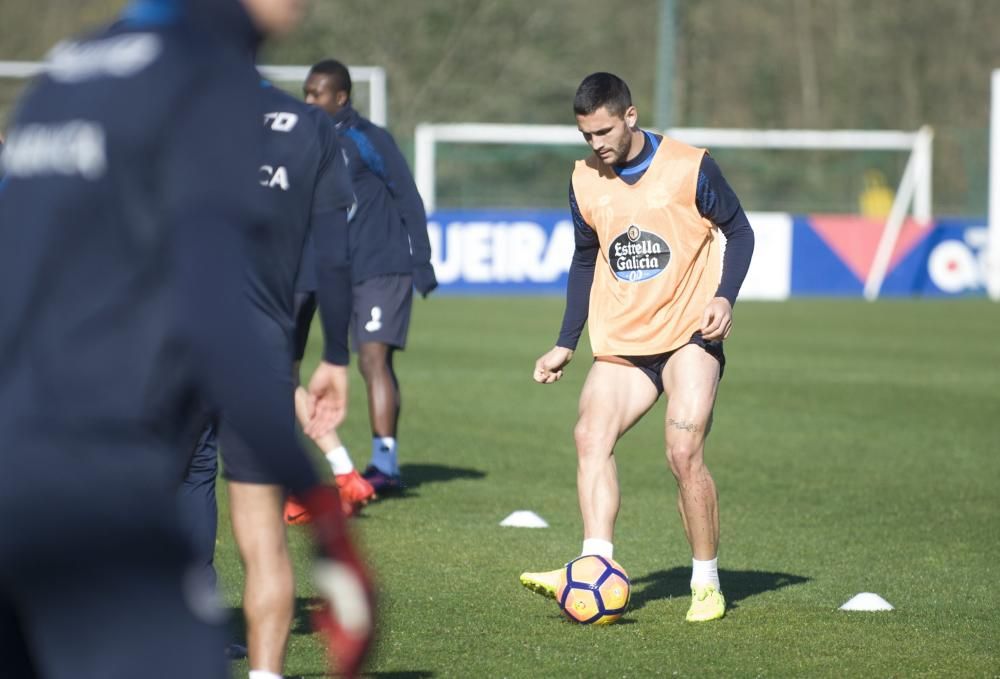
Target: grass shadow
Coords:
[[301, 619], [416, 475], [302, 624], [402, 674], [236, 625], [305, 607], [737, 585]]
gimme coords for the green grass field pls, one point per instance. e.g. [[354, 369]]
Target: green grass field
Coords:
[[856, 448]]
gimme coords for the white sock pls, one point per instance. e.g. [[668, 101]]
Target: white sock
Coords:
[[263, 674], [340, 461], [705, 572], [599, 547], [384, 454]]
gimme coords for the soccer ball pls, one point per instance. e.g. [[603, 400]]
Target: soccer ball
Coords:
[[593, 590]]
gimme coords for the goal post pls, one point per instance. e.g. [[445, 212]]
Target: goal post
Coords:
[[914, 194], [373, 76], [916, 174]]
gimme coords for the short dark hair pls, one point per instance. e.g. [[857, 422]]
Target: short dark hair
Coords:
[[602, 89], [338, 73]]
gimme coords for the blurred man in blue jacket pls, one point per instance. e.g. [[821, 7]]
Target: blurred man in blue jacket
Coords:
[[125, 218], [390, 255]]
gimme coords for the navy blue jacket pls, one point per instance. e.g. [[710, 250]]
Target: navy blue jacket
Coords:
[[129, 195], [305, 175], [388, 235]]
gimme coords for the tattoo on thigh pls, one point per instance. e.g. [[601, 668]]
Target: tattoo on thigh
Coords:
[[682, 424]]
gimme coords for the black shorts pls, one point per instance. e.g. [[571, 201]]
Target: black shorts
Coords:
[[239, 461], [652, 366], [381, 310]]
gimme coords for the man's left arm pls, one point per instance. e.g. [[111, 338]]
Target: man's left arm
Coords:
[[717, 202], [407, 199], [332, 201]]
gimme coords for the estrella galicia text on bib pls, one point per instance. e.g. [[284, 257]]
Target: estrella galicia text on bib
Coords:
[[638, 255]]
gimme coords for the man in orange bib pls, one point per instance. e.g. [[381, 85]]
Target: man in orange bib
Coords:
[[649, 275]]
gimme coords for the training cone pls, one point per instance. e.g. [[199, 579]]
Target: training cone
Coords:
[[524, 519], [867, 601]]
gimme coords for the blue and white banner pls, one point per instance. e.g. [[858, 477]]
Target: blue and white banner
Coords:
[[501, 252], [529, 252]]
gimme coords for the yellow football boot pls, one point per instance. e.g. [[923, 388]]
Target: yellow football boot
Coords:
[[707, 603], [545, 583]]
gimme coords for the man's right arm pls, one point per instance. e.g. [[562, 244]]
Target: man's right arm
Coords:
[[581, 277], [549, 367]]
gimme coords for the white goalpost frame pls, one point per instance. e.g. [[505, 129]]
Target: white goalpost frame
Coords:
[[993, 232], [374, 76], [915, 188], [916, 173]]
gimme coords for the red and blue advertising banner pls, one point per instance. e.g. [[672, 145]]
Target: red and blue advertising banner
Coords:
[[529, 252]]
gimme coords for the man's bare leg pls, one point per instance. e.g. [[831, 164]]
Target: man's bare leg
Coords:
[[384, 402], [375, 364], [355, 492], [613, 399], [269, 589], [691, 379]]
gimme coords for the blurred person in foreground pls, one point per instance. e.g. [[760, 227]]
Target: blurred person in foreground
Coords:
[[648, 275], [390, 255], [124, 217], [304, 177]]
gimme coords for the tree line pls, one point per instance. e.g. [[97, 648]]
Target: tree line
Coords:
[[825, 64]]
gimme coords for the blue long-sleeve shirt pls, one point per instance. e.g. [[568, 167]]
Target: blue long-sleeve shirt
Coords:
[[715, 201], [131, 169], [305, 175], [389, 232]]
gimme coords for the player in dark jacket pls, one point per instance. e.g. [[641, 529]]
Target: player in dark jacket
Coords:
[[390, 255], [124, 219], [305, 179]]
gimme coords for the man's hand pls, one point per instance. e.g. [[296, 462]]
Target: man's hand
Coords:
[[548, 368], [717, 321], [328, 387], [305, 409], [424, 279]]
